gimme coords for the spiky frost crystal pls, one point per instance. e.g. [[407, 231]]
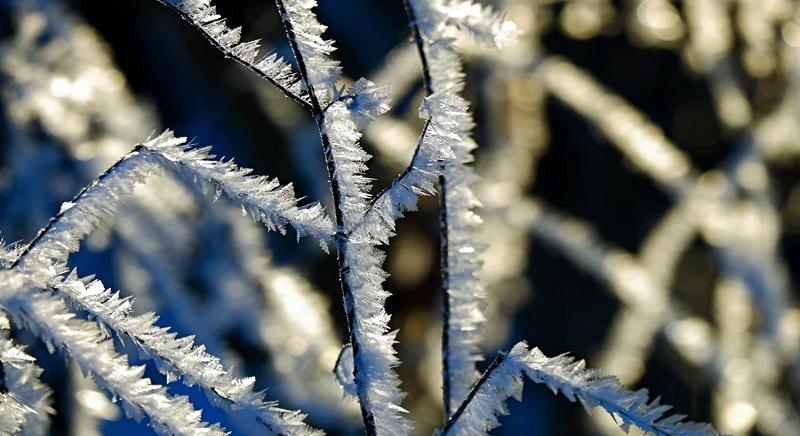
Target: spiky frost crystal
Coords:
[[460, 282], [204, 17], [178, 357], [366, 101], [82, 341], [263, 198], [563, 374], [24, 400]]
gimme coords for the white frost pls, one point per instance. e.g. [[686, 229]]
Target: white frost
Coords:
[[179, 358], [577, 383]]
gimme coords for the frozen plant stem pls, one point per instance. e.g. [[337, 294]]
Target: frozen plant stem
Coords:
[[44, 231], [418, 41], [234, 55], [406, 171], [475, 388], [444, 257], [340, 237], [272, 204]]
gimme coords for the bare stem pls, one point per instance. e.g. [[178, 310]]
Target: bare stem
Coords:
[[3, 386], [444, 267]]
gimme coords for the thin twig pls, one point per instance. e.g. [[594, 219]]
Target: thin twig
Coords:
[[444, 267], [3, 385]]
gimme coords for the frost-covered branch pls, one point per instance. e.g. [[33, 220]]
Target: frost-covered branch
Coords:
[[178, 357], [203, 16], [24, 400], [48, 318], [503, 379], [319, 72], [462, 290], [360, 263], [338, 127], [263, 198], [445, 112]]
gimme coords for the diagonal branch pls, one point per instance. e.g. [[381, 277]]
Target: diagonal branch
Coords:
[[274, 205], [48, 318], [204, 18], [177, 357], [434, 150], [503, 379]]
